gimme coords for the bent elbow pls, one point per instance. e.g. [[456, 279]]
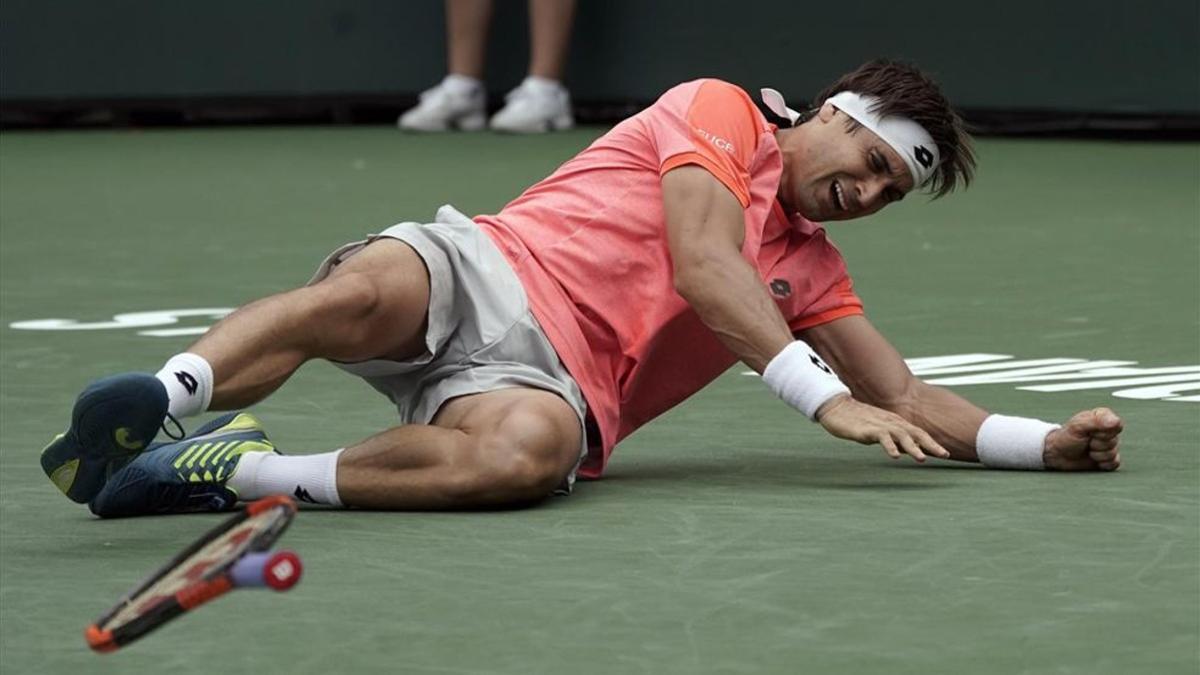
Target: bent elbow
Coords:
[[692, 276]]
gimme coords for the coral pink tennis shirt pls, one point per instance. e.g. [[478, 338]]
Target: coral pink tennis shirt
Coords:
[[589, 244]]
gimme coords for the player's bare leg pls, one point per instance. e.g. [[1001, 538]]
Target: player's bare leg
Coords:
[[501, 448], [550, 35], [497, 448], [372, 306]]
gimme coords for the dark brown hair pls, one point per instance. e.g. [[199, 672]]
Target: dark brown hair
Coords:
[[904, 90]]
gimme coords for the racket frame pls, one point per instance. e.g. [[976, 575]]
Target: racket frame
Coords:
[[213, 583]]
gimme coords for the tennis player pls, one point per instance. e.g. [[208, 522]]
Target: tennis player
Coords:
[[520, 348]]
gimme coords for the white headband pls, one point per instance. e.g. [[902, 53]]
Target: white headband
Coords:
[[909, 139]]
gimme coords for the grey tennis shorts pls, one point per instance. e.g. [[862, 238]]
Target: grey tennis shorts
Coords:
[[481, 335]]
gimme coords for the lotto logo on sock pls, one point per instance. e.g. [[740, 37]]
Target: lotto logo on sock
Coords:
[[188, 382], [303, 495]]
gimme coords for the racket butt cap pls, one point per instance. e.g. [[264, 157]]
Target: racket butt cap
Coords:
[[100, 640], [279, 570], [283, 570]]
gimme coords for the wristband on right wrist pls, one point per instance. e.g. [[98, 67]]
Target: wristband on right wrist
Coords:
[[1005, 442], [799, 377]]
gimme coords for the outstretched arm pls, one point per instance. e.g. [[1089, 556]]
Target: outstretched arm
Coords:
[[705, 227], [876, 374]]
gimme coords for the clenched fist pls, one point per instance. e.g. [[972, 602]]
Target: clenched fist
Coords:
[[1087, 442]]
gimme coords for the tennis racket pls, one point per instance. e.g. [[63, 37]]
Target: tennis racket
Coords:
[[233, 555]]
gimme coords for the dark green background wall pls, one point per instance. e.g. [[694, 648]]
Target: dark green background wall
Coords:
[[1074, 55]]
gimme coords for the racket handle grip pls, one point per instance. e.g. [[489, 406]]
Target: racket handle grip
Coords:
[[279, 570]]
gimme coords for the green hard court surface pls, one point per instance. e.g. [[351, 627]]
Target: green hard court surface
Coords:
[[731, 535]]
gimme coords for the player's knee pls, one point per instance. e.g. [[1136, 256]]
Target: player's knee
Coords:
[[524, 459], [524, 478], [347, 318], [349, 297], [532, 473]]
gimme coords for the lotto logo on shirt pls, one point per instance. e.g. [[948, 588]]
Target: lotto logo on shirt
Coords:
[[717, 141]]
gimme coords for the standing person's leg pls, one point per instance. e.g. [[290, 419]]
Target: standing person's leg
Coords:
[[550, 36], [541, 102], [459, 101], [467, 24]]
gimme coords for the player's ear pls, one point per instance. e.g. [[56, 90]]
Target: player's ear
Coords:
[[826, 112]]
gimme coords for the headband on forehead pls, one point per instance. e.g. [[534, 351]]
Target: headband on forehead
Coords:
[[909, 139]]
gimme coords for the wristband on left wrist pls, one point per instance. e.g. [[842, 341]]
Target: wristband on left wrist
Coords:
[[799, 377]]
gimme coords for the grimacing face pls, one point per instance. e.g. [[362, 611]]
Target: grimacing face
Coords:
[[831, 173]]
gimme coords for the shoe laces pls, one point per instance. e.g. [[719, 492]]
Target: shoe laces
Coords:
[[202, 485], [178, 427], [525, 92], [437, 94]]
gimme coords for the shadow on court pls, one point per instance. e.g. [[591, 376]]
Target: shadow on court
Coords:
[[764, 472]]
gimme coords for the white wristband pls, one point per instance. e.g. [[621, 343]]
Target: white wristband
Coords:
[[799, 377], [1005, 442]]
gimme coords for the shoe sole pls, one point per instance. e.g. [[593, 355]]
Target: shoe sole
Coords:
[[559, 123], [80, 460], [469, 122]]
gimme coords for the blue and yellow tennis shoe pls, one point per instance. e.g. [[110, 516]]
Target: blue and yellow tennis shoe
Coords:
[[113, 420], [184, 476]]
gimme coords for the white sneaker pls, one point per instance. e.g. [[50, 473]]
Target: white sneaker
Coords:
[[536, 106], [446, 107]]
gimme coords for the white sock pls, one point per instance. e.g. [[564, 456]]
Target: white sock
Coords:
[[462, 85], [541, 84], [189, 382], [306, 478]]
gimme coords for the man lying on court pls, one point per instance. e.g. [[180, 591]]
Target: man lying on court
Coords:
[[520, 348]]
